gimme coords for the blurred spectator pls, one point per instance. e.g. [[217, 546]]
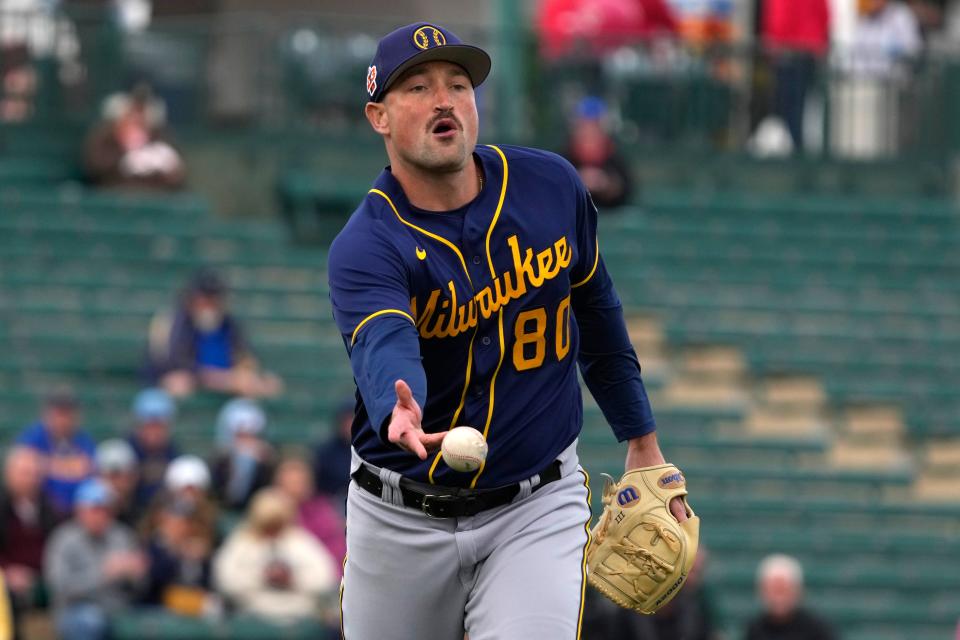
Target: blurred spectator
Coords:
[[331, 458], [33, 33], [271, 567], [180, 552], [594, 154], [604, 620], [92, 566], [26, 520], [780, 586], [201, 344], [796, 34], [18, 82], [187, 480], [315, 513], [153, 414], [690, 615], [872, 91], [245, 462], [930, 16], [597, 27], [67, 451], [704, 23], [886, 35], [129, 148], [117, 466]]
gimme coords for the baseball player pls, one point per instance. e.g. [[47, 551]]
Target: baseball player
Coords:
[[467, 286]]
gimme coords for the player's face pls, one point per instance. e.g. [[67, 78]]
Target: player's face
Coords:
[[430, 117]]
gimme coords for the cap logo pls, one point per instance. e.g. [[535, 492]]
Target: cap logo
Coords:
[[372, 79], [428, 36]]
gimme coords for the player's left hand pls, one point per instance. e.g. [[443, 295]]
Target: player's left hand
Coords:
[[645, 452], [405, 430]]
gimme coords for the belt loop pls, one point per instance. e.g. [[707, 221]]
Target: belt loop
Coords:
[[526, 488], [391, 487]]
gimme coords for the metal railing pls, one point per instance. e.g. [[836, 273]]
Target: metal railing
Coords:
[[306, 71]]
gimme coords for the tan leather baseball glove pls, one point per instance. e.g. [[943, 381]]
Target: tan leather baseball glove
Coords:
[[639, 554]]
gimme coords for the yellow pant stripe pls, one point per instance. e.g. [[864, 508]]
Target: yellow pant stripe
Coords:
[[586, 547]]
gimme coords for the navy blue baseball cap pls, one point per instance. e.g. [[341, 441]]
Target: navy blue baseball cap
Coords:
[[416, 43]]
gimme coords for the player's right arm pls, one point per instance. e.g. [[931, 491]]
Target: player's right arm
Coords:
[[370, 293]]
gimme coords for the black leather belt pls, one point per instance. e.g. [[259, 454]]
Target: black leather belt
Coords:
[[450, 502]]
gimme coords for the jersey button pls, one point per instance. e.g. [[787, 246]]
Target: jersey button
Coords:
[[485, 341], [477, 390], [476, 259]]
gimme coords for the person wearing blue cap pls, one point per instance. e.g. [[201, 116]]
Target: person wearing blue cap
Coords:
[[154, 412], [66, 448], [92, 566], [246, 461], [593, 151], [202, 345], [467, 287]]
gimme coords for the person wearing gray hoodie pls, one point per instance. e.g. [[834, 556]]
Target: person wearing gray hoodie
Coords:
[[92, 566]]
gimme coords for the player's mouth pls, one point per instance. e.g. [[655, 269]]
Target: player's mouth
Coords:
[[445, 128]]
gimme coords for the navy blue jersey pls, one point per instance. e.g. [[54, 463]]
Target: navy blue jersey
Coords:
[[485, 312]]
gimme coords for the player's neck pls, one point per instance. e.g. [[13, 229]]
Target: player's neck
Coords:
[[439, 191]]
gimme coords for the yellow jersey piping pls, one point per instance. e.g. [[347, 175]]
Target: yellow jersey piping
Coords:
[[429, 234], [596, 260], [463, 401], [496, 214], [493, 383], [373, 315]]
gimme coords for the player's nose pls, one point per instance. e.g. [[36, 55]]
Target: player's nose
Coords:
[[443, 101]]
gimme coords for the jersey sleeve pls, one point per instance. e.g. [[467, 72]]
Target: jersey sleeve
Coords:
[[370, 295], [368, 280], [608, 362], [386, 351], [586, 229]]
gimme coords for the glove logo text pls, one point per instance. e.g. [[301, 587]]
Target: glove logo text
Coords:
[[628, 496], [671, 480]]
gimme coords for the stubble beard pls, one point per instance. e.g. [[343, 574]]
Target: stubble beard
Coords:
[[443, 160]]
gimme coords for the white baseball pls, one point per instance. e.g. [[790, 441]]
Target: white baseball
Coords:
[[464, 449]]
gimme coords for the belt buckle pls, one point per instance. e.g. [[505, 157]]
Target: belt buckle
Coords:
[[429, 500]]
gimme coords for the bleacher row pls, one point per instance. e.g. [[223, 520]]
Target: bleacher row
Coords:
[[861, 297], [860, 293]]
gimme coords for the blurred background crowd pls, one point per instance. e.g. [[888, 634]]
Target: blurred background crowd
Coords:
[[778, 183], [90, 529]]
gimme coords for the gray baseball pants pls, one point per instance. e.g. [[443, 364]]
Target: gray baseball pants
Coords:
[[514, 572]]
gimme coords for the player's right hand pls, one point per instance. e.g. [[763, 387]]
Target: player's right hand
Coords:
[[405, 430]]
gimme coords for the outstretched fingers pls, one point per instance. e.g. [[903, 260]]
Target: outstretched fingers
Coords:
[[410, 440], [405, 398]]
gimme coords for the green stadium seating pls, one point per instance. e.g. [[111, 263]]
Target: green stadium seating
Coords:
[[861, 294]]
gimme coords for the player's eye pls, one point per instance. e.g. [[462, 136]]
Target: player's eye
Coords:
[[459, 86], [418, 88]]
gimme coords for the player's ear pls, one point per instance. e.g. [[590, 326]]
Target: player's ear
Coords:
[[376, 114]]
